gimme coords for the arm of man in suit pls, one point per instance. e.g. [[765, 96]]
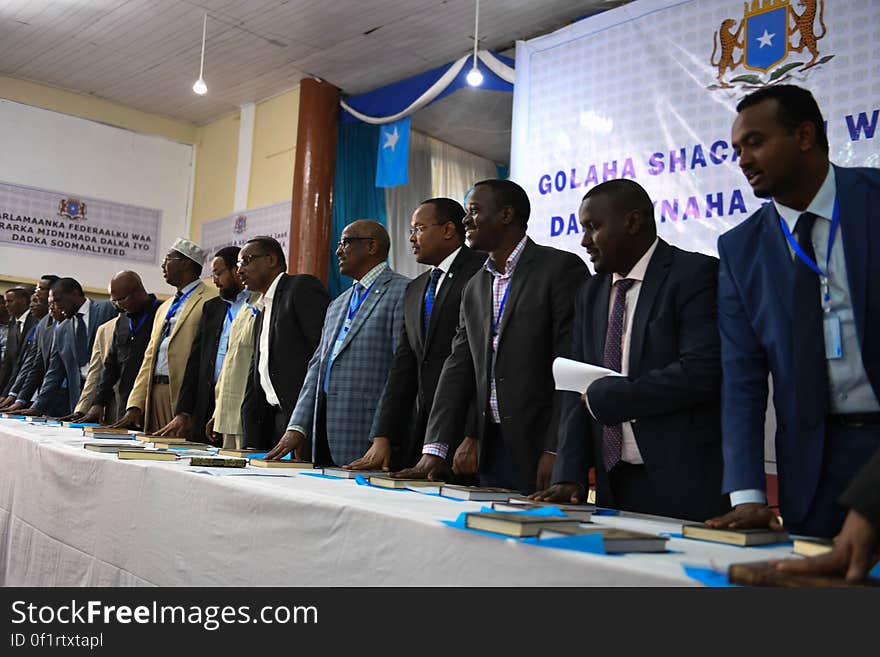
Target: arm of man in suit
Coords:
[[310, 302], [21, 378], [32, 382], [398, 398], [180, 424], [304, 412], [564, 291], [743, 406], [93, 375], [693, 378], [137, 398], [574, 456], [857, 546], [397, 326], [55, 376], [110, 374]]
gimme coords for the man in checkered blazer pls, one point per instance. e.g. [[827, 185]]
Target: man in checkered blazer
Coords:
[[335, 416]]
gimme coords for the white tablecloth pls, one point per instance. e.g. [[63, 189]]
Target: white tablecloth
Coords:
[[71, 517]]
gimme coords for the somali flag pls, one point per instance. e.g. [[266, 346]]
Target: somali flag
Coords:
[[393, 156]]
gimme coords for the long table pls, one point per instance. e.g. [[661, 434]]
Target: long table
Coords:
[[72, 517]]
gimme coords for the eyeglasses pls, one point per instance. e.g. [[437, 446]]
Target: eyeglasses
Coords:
[[172, 257], [418, 229], [244, 261], [346, 242]]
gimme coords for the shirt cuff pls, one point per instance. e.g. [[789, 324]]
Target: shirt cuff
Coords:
[[748, 496], [589, 410], [296, 427], [436, 449]]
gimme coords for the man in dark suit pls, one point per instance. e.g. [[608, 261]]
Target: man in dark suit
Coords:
[[431, 306], [857, 546], [21, 324], [195, 402], [73, 343], [286, 334], [515, 320], [653, 434], [336, 412], [798, 299]]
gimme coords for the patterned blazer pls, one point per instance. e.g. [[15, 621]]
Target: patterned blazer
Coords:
[[360, 370]]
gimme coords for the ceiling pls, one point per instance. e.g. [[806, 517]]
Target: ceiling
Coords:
[[145, 53]]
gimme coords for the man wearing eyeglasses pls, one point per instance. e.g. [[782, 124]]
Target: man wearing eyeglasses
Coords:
[[151, 402], [336, 413], [287, 327], [430, 319]]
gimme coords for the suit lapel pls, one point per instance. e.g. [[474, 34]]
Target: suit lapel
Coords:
[[517, 283], [853, 207], [600, 318], [188, 305], [279, 289], [374, 295], [655, 275], [413, 310], [777, 258], [452, 280]]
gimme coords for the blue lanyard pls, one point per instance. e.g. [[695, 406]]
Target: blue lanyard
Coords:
[[30, 336], [353, 311], [174, 306], [807, 260], [496, 321], [229, 312], [132, 329]]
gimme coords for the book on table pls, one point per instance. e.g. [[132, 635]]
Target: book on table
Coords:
[[185, 445], [384, 481], [765, 573], [217, 461], [146, 455], [476, 493], [73, 424], [614, 539], [107, 433], [241, 453], [295, 465], [518, 525], [581, 512], [812, 547], [104, 448], [741, 537], [341, 473]]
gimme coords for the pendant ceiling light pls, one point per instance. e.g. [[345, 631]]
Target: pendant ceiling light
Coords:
[[200, 87], [474, 77]]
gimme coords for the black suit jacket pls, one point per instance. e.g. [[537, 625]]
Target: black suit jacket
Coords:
[[672, 393], [298, 310], [863, 493], [16, 351], [535, 329], [419, 358], [196, 395]]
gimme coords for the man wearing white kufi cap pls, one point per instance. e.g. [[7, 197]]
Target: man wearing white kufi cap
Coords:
[[152, 399]]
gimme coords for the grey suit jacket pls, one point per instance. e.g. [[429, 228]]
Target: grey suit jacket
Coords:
[[360, 370], [63, 362], [28, 383]]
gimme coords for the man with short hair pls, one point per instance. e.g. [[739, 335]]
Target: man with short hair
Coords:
[[156, 388], [430, 319], [653, 434], [195, 402], [4, 327], [39, 308], [17, 302], [515, 320], [336, 413], [798, 299], [286, 332], [126, 350], [69, 363]]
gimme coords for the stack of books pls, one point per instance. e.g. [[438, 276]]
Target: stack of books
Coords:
[[741, 537], [296, 465]]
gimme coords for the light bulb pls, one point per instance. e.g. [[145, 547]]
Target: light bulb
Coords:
[[474, 77], [200, 87]]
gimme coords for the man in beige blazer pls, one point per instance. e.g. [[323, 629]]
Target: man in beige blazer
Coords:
[[151, 402], [229, 392]]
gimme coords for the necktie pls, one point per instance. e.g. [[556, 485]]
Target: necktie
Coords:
[[612, 437], [430, 297], [166, 327], [82, 340], [808, 342]]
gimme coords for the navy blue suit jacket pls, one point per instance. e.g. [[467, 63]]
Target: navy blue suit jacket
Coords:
[[755, 317]]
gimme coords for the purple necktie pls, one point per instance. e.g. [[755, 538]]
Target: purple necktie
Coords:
[[612, 437]]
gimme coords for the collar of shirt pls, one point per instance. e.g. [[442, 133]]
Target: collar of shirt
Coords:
[[512, 260], [637, 273], [822, 204], [240, 298], [84, 309], [270, 293], [23, 318], [371, 276], [191, 286], [447, 261]]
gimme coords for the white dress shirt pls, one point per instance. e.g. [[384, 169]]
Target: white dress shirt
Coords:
[[444, 267], [263, 366], [629, 451], [162, 356]]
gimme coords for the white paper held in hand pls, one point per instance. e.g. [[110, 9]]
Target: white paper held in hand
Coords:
[[577, 376]]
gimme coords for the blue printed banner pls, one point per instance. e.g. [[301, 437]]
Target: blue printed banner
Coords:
[[766, 41], [393, 157]]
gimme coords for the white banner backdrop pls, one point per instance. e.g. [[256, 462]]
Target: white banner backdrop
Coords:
[[237, 228], [43, 219], [648, 91]]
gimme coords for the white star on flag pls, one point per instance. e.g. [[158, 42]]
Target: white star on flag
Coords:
[[391, 139], [766, 39]]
